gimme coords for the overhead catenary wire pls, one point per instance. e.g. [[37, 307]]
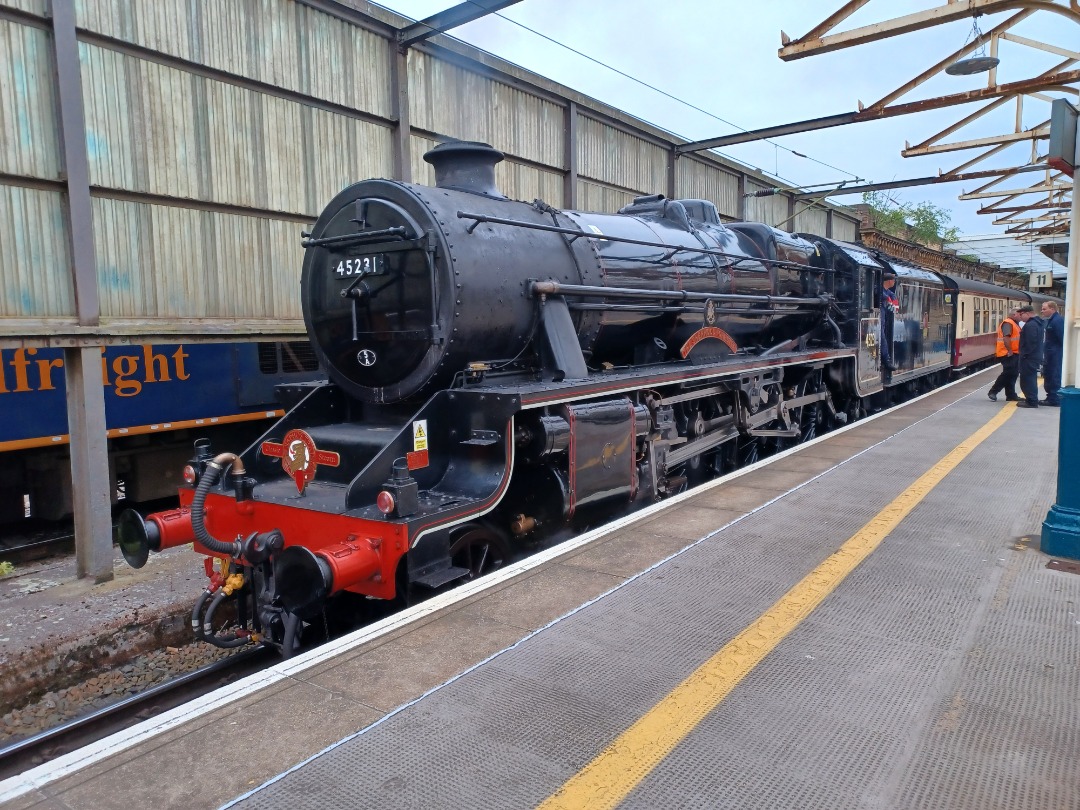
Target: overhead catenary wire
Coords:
[[793, 184], [675, 98]]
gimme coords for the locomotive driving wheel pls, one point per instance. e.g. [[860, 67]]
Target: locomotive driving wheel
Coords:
[[478, 549]]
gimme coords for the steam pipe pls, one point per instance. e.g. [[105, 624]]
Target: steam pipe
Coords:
[[759, 313], [836, 329]]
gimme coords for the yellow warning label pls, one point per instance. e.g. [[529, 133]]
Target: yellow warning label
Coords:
[[419, 435]]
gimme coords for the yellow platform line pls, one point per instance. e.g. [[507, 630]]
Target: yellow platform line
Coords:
[[607, 780]]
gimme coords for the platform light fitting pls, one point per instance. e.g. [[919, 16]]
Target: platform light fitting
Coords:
[[978, 62]]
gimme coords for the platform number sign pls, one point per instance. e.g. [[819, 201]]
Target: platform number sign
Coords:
[[1040, 280]]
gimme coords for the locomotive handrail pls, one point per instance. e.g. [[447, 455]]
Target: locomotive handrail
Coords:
[[557, 288], [344, 239], [663, 309], [575, 234]]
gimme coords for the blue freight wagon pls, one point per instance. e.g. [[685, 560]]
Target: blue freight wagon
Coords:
[[158, 399]]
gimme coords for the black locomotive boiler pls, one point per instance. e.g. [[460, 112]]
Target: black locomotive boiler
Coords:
[[404, 286], [500, 371]]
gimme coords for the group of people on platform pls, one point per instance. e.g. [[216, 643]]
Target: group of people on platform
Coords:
[[1024, 343]]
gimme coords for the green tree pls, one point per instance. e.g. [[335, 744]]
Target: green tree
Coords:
[[921, 222]]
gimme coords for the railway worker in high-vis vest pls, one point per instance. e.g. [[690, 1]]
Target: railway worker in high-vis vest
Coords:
[[1008, 352]]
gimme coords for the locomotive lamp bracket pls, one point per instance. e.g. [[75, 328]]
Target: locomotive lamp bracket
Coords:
[[242, 486], [202, 457], [482, 438], [403, 490]]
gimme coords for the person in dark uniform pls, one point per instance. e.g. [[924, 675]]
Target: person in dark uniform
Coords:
[[1008, 352], [1052, 350], [1031, 355], [890, 305]]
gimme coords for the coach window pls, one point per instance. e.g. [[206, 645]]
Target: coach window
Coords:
[[976, 313], [986, 314]]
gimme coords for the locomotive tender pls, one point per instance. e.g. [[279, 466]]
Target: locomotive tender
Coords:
[[501, 371]]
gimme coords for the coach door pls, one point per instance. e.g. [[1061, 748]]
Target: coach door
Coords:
[[869, 348]]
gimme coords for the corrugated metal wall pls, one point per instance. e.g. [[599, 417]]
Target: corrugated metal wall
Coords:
[[281, 43], [36, 282], [28, 129], [844, 229], [772, 209], [446, 98], [595, 197], [613, 157], [146, 254], [31, 6], [698, 180], [814, 219], [214, 129], [35, 263]]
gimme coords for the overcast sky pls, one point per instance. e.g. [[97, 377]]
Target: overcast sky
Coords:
[[720, 56]]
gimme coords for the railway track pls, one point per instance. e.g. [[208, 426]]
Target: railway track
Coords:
[[28, 546], [47, 745], [35, 539]]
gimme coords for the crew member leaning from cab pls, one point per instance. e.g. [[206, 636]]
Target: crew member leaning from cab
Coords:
[[890, 305]]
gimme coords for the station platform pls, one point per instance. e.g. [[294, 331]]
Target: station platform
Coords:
[[864, 622]]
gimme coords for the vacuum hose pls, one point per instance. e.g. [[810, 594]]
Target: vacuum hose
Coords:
[[196, 613], [209, 478], [208, 634]]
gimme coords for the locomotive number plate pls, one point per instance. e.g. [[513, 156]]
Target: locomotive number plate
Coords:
[[361, 266]]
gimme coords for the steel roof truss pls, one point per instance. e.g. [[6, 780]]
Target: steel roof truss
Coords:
[[1014, 192], [1008, 205], [449, 18], [951, 177], [1039, 132], [950, 12], [933, 71]]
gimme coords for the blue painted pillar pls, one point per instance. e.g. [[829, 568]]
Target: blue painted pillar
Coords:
[[1061, 529]]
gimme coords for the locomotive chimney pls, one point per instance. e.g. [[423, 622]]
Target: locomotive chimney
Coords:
[[466, 166]]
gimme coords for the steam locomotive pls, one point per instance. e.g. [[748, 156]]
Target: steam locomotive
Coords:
[[501, 371]]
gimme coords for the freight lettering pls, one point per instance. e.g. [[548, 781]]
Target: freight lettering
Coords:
[[21, 371]]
